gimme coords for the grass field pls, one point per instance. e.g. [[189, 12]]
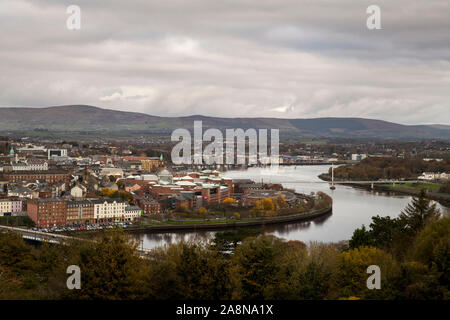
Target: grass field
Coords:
[[433, 187]]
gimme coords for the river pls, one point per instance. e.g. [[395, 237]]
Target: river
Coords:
[[351, 208]]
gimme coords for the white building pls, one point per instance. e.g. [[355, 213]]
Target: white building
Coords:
[[5, 206], [358, 156], [434, 176], [20, 166], [37, 165], [55, 153], [78, 191], [109, 171], [30, 165], [108, 210]]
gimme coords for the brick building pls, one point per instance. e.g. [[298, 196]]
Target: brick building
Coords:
[[80, 212], [51, 176], [47, 212], [150, 206]]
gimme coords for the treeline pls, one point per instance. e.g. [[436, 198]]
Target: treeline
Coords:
[[241, 265], [374, 168], [16, 221]]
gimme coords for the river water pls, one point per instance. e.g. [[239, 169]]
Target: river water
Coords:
[[351, 208]]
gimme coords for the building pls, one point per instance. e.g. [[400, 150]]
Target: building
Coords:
[[80, 212], [37, 165], [150, 164], [78, 191], [165, 177], [51, 176], [434, 176], [132, 213], [358, 156], [108, 210], [150, 206], [56, 153], [47, 213], [16, 206], [5, 207], [132, 187], [111, 171], [22, 192]]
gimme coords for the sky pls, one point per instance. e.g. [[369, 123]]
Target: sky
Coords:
[[230, 58]]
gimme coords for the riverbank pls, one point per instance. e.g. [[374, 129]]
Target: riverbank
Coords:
[[442, 198], [193, 226], [211, 225]]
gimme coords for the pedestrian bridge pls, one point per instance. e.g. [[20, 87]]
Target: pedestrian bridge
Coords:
[[354, 181]]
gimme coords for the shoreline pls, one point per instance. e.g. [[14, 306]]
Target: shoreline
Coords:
[[232, 225], [442, 198]]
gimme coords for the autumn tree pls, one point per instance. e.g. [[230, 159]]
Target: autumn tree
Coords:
[[228, 201], [267, 204], [432, 248], [110, 268], [202, 211], [351, 273]]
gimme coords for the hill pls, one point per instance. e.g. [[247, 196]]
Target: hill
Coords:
[[77, 118]]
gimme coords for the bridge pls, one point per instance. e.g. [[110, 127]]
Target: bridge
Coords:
[[355, 181], [48, 237], [38, 235]]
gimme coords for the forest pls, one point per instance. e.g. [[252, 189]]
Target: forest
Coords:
[[412, 251]]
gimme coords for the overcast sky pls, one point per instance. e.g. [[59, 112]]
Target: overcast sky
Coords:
[[278, 58]]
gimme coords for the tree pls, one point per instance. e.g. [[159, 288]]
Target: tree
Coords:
[[187, 271], [267, 204], [254, 268], [361, 237], [314, 282], [351, 273], [110, 267], [228, 201], [419, 213], [227, 241], [280, 202], [432, 248], [202, 211]]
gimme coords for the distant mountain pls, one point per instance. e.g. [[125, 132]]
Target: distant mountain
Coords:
[[82, 118]]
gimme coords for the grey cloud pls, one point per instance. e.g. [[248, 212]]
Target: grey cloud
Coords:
[[284, 58]]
